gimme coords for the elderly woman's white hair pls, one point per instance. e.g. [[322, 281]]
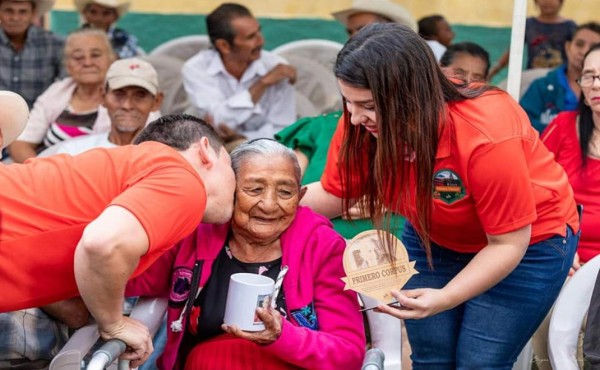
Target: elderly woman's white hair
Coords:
[[268, 148], [92, 32]]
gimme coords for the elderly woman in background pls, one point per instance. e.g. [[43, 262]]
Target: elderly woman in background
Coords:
[[466, 61], [574, 138], [70, 107], [316, 323]]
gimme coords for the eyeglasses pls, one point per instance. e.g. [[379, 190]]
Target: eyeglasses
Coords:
[[587, 80]]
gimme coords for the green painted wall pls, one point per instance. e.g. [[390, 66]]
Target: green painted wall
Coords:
[[154, 29]]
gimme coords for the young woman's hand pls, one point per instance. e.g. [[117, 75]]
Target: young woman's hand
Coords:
[[417, 303]]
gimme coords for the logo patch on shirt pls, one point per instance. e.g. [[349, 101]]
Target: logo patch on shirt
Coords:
[[306, 316], [448, 186], [182, 282]]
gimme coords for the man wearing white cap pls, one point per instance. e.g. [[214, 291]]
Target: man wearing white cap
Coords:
[[104, 14], [132, 98], [366, 12], [30, 57]]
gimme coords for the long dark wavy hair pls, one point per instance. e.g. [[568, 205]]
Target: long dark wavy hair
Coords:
[[586, 120], [410, 95]]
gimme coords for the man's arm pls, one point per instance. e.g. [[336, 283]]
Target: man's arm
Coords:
[[279, 73], [106, 256], [205, 93], [22, 150]]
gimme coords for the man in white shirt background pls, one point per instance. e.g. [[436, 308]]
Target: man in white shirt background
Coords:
[[236, 83]]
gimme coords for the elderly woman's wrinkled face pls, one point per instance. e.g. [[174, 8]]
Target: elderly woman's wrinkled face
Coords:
[[267, 196], [88, 58]]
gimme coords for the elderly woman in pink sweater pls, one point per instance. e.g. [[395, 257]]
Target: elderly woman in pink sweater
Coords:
[[316, 323]]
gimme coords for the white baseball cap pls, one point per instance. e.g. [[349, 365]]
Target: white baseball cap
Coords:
[[132, 72]]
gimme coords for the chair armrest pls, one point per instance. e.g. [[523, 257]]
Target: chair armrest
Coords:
[[148, 310]]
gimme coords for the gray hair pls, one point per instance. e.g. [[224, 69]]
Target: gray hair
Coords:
[[92, 32], [267, 148]]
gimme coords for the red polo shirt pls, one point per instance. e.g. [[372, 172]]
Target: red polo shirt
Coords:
[[492, 175]]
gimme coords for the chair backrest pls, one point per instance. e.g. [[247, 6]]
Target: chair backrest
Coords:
[[304, 107], [313, 59], [171, 84], [317, 84], [321, 51], [527, 77], [569, 311], [182, 48]]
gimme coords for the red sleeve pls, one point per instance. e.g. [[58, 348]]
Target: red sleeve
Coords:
[[169, 203], [554, 135], [331, 180], [156, 280], [501, 187]]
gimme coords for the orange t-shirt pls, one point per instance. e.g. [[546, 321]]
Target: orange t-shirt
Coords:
[[47, 202], [492, 175]]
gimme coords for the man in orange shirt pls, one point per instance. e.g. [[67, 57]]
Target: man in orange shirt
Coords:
[[84, 225]]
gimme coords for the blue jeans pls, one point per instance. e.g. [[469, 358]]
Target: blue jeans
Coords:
[[490, 330]]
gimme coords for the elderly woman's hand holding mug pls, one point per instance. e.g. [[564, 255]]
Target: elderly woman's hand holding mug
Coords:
[[272, 320]]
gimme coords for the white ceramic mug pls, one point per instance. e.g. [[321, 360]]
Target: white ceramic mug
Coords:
[[246, 293]]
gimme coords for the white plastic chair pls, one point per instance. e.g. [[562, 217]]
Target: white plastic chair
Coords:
[[149, 311], [171, 84], [317, 84], [570, 310], [525, 359], [386, 334], [182, 48], [314, 60], [321, 51]]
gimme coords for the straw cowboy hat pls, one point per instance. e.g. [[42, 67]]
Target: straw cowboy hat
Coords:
[[14, 114], [386, 8], [41, 6], [122, 6]]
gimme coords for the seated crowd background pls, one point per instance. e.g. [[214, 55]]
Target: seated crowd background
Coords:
[[96, 89]]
